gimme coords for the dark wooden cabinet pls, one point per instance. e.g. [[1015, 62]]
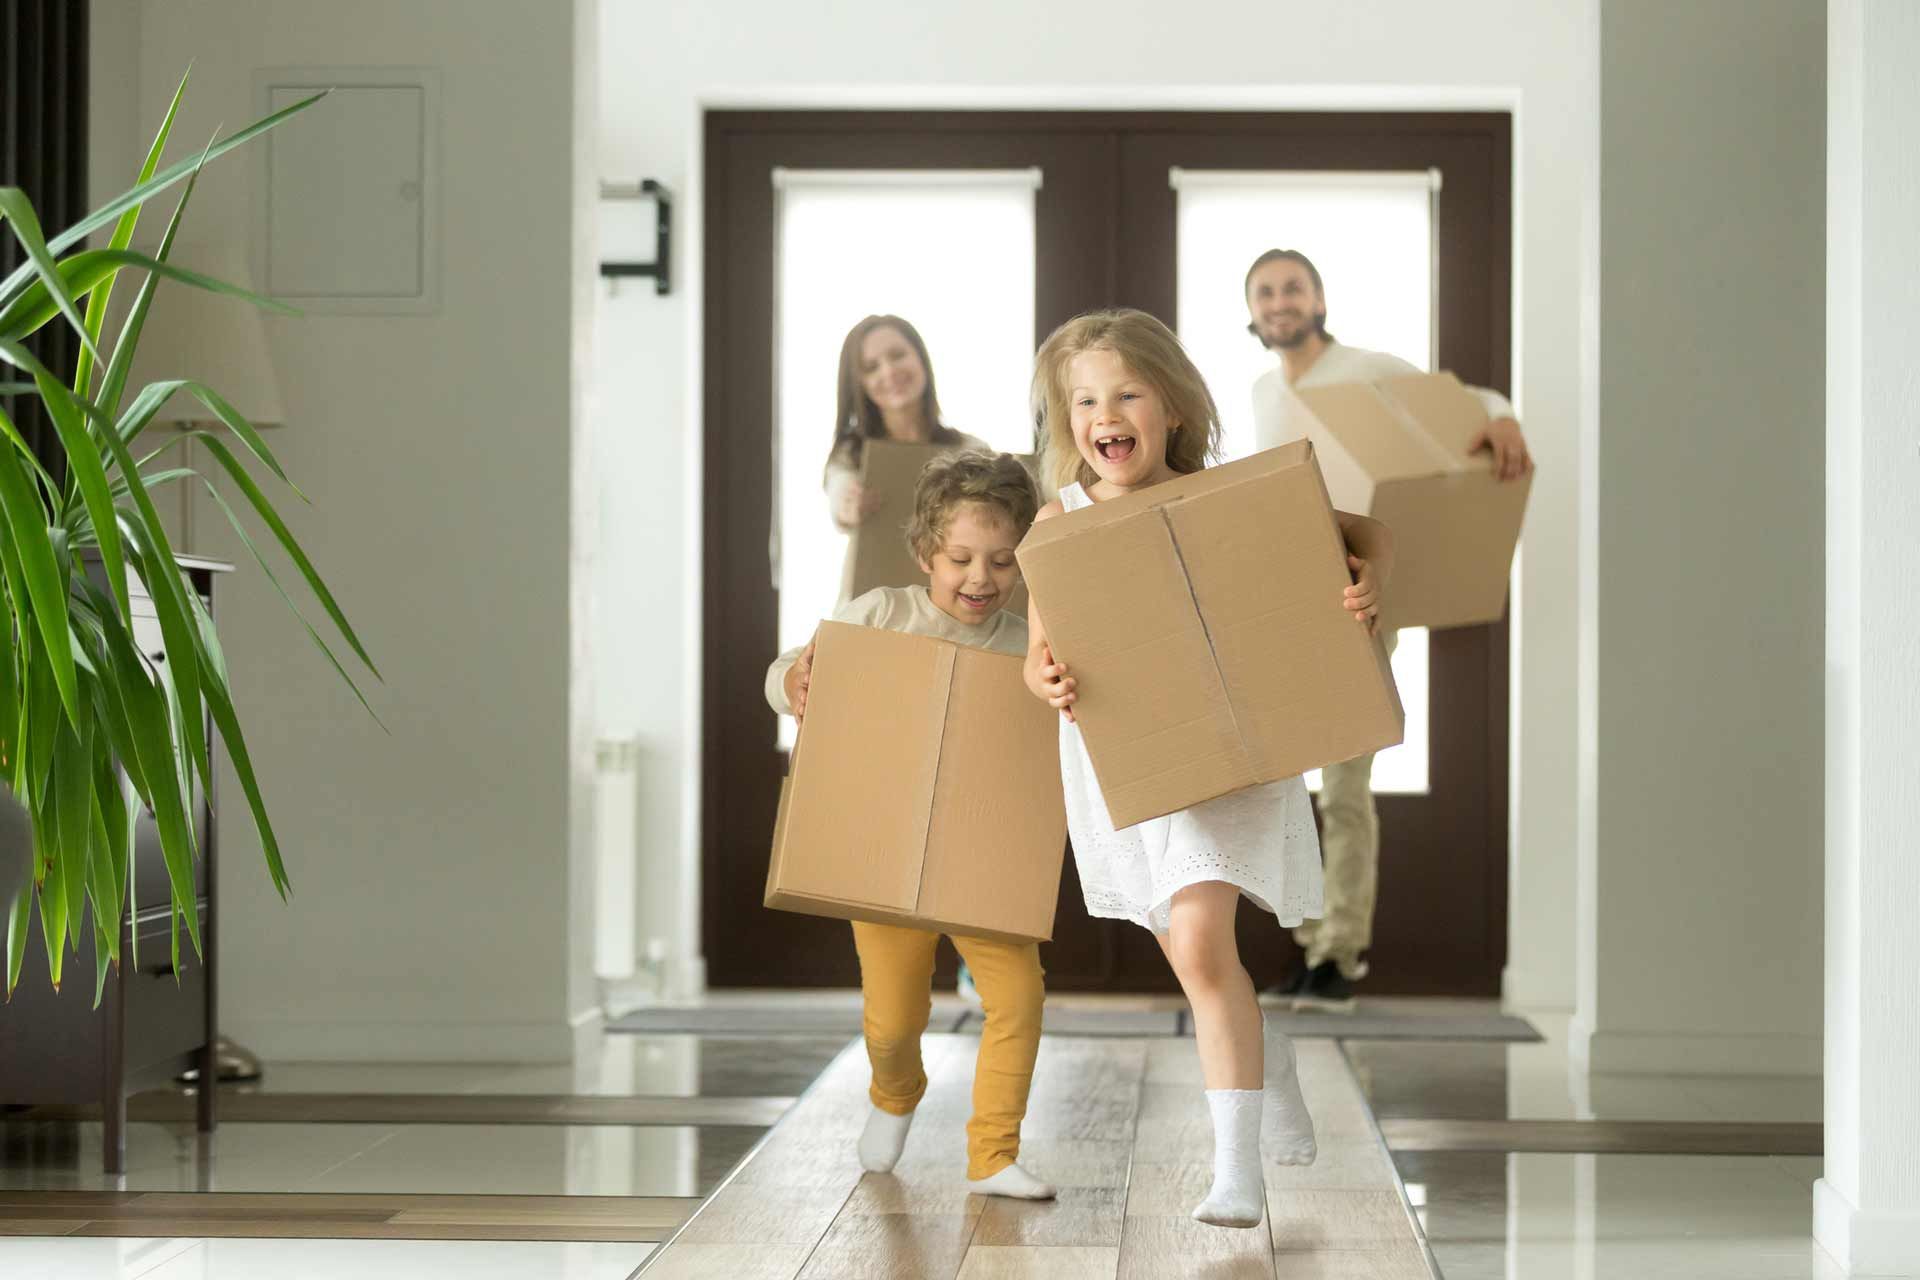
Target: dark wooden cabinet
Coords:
[[152, 1022]]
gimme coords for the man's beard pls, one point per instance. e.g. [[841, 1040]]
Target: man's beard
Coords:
[[1296, 339]]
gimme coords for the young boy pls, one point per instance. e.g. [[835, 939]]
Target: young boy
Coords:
[[970, 512]]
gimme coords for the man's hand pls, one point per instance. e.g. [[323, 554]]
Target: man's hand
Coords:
[[1510, 457], [799, 676]]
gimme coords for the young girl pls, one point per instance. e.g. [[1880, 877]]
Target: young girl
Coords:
[[970, 512], [1122, 408]]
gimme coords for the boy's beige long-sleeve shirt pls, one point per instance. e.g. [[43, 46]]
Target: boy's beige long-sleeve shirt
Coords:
[[911, 610]]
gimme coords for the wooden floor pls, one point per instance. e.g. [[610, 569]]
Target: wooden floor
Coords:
[[1119, 1125], [206, 1214]]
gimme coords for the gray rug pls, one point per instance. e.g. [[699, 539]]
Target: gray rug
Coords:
[[1387, 1020]]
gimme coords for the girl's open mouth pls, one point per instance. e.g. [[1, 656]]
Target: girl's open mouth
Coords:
[[1115, 448]]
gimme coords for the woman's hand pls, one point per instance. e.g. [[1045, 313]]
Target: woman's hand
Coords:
[[1051, 682], [1363, 597], [853, 504], [798, 677], [1510, 457]]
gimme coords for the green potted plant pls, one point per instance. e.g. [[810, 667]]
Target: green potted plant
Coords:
[[90, 728]]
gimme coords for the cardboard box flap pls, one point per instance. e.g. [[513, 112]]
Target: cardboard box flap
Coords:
[[999, 772], [863, 676], [1374, 431], [1073, 523], [1445, 410]]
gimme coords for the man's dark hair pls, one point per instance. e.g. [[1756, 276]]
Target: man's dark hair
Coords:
[[1287, 255]]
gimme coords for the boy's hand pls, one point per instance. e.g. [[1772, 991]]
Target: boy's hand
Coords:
[[855, 504], [1056, 686], [1510, 457], [1363, 597], [799, 676]]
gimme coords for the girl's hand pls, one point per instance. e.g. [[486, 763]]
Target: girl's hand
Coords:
[[1363, 597], [1055, 685], [1510, 457], [855, 504], [799, 676]]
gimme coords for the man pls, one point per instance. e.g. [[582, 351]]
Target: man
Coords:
[[1287, 307]]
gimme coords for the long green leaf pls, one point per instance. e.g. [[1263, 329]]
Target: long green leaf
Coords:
[[168, 592], [224, 456], [246, 539], [53, 922], [87, 271], [123, 236], [90, 474], [122, 363], [9, 689], [10, 434], [73, 819], [152, 740], [26, 519], [17, 209], [140, 194]]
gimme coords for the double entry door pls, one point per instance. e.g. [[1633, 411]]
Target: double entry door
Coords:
[[986, 230]]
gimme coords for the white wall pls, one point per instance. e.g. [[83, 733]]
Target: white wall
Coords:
[[1701, 947], [663, 61], [431, 866], [1867, 1206]]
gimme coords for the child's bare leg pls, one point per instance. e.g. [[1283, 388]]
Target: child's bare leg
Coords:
[[1200, 945], [1205, 955]]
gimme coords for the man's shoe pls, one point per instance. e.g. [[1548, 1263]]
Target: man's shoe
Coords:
[[1295, 983], [1325, 987]]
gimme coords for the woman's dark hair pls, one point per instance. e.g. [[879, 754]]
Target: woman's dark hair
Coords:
[[856, 417], [1288, 255]]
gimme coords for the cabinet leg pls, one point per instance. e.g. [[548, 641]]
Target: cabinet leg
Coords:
[[113, 1136], [206, 1097]]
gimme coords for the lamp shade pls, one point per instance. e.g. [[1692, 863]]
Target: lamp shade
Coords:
[[210, 337]]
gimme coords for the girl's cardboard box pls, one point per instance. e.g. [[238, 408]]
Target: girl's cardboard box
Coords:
[[1396, 450], [1202, 621], [924, 790]]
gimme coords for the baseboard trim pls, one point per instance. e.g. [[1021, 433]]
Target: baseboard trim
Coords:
[[345, 1040], [1865, 1244], [1639, 1053], [1526, 989]]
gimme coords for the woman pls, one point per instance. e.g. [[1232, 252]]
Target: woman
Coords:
[[886, 393]]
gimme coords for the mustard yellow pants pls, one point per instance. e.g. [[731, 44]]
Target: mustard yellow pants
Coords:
[[896, 981]]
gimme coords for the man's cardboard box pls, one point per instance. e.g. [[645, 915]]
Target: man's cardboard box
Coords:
[[924, 790], [1203, 622], [877, 552], [1396, 450]]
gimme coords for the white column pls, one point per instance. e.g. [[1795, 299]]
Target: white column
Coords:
[[1867, 1207], [1700, 853]]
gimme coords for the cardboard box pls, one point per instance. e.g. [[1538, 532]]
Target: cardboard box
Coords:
[[1202, 620], [877, 552], [1396, 450], [924, 791]]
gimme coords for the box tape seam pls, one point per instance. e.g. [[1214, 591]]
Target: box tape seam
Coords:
[[1449, 464], [1206, 633], [949, 655]]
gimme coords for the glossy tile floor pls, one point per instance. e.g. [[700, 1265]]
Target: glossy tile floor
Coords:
[[1513, 1216]]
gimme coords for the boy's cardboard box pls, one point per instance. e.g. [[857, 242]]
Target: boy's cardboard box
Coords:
[[925, 791], [877, 552], [1203, 623], [1396, 450]]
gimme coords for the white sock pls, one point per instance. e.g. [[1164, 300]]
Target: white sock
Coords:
[[1011, 1181], [1289, 1127], [1239, 1193], [882, 1141]]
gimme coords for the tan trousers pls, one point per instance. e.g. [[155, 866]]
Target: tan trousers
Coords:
[[1350, 851], [896, 981]]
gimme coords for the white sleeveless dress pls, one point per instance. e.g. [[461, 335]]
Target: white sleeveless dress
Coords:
[[1261, 839]]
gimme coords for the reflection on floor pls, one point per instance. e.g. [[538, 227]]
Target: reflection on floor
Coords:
[[1487, 1213]]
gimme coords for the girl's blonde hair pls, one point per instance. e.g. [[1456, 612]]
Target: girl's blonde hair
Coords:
[[1153, 353], [995, 481]]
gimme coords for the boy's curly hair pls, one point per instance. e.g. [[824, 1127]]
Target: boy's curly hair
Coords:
[[998, 482]]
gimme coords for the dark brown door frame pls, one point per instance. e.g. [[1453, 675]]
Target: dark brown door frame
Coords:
[[1104, 237]]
